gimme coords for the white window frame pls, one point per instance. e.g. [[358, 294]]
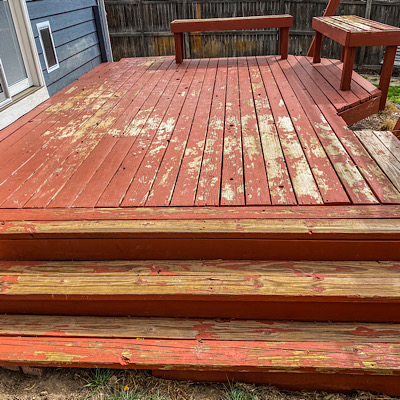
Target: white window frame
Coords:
[[4, 86], [46, 25]]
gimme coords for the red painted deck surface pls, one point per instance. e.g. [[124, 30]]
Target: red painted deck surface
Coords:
[[219, 132]]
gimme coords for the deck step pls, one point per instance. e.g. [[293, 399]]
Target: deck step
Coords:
[[341, 351], [310, 291]]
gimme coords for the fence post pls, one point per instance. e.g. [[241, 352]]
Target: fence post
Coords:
[[368, 8], [141, 12], [278, 36], [185, 9]]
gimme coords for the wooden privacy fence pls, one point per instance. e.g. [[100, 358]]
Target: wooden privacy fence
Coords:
[[142, 27]]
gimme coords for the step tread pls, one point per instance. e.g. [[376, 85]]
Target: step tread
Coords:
[[200, 329], [286, 280], [278, 353]]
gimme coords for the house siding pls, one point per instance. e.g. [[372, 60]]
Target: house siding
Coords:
[[75, 35]]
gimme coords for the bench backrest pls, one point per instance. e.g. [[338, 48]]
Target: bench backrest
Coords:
[[226, 24]]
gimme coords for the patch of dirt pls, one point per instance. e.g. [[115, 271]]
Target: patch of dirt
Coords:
[[382, 121], [69, 384]]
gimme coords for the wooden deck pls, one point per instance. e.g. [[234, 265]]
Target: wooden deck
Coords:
[[236, 132], [196, 192]]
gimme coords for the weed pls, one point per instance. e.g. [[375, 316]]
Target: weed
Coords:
[[98, 378], [125, 395], [235, 393]]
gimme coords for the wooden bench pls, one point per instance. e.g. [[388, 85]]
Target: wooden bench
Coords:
[[180, 26]]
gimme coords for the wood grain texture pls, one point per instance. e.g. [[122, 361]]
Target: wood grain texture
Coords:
[[382, 358], [190, 329], [173, 280]]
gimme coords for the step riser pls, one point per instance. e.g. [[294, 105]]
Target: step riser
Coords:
[[300, 311], [294, 381], [198, 248]]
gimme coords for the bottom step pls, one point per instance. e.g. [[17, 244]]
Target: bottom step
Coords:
[[291, 355]]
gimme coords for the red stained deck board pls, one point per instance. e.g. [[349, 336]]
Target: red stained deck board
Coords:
[[55, 174], [232, 182], [36, 115], [65, 105], [96, 163], [208, 190], [52, 142], [325, 176], [377, 180], [256, 181], [353, 182], [164, 183], [302, 178], [115, 173], [241, 134], [139, 190], [131, 161], [186, 184], [325, 68], [280, 185], [229, 355]]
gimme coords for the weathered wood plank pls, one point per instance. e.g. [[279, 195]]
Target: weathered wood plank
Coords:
[[208, 190], [324, 174], [123, 133], [302, 178], [229, 228], [389, 164], [186, 184], [184, 329], [356, 187], [280, 185], [371, 172], [139, 188], [252, 356], [164, 282], [204, 213], [255, 176], [164, 183], [232, 179]]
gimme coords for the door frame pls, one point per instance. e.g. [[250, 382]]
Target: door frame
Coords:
[[26, 41]]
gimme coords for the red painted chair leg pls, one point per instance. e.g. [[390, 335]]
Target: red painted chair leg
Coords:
[[284, 43], [348, 63], [386, 73], [179, 49], [317, 47]]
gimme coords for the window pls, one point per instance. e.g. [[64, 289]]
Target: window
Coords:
[[49, 51]]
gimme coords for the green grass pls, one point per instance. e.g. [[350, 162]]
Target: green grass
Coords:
[[235, 393], [98, 379], [393, 94]]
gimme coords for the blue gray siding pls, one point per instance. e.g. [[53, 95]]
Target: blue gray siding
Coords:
[[75, 36]]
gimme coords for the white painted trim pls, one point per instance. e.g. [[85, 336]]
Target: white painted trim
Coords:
[[41, 26], [103, 13], [23, 106]]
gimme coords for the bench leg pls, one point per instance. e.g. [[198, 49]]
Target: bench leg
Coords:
[[284, 43], [317, 47], [179, 49], [348, 63], [386, 73], [342, 54]]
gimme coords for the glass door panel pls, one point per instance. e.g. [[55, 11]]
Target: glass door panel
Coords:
[[10, 51]]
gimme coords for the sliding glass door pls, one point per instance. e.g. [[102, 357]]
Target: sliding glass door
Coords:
[[11, 55]]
